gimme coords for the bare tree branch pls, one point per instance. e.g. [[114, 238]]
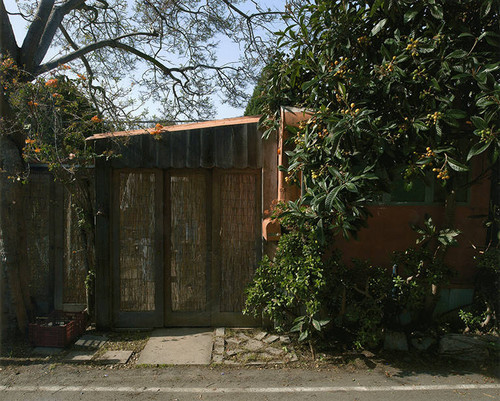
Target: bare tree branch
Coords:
[[35, 31], [7, 38], [86, 63], [52, 25], [250, 16], [92, 47]]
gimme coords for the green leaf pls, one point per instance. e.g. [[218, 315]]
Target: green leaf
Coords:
[[376, 29], [456, 165], [435, 84], [478, 122], [437, 12], [439, 131], [308, 84], [455, 113], [409, 15], [316, 325], [303, 336], [351, 187], [491, 67], [485, 101], [477, 149], [457, 54], [420, 126], [447, 236], [341, 88], [485, 8], [297, 327], [330, 198], [482, 78]]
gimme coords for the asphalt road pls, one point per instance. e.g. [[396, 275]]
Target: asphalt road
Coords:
[[63, 382]]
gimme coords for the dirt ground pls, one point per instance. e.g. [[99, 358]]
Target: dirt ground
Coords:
[[18, 356]]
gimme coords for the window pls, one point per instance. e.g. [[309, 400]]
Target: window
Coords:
[[420, 193]]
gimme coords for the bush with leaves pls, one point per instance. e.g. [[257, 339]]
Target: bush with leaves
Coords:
[[421, 272], [392, 84], [483, 314], [57, 117], [358, 303], [292, 288]]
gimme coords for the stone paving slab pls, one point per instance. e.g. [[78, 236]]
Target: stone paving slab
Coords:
[[285, 340], [90, 341], [218, 350], [260, 336], [271, 339], [178, 346], [253, 345], [79, 356], [256, 347], [113, 357]]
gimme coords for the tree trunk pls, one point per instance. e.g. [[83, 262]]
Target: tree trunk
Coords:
[[13, 238], [13, 243]]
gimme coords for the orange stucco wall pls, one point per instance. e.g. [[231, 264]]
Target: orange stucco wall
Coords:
[[389, 228]]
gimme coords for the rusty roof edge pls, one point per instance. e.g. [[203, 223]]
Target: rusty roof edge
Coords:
[[181, 127]]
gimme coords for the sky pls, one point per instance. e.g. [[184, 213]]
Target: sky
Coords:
[[226, 54]]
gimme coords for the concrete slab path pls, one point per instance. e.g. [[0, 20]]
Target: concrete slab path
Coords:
[[178, 346]]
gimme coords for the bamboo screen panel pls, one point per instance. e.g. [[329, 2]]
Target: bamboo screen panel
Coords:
[[188, 243], [137, 236], [74, 272], [38, 235], [238, 194]]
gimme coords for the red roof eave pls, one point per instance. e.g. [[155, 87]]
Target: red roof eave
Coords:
[[181, 127]]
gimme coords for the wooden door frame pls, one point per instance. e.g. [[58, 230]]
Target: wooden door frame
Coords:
[[146, 319]]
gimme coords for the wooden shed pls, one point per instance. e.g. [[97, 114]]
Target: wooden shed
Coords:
[[178, 226]]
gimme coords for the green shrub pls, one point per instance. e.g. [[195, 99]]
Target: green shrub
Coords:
[[482, 315], [422, 272], [291, 288], [359, 302]]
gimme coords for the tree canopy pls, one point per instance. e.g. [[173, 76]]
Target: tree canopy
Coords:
[[161, 50], [391, 84], [178, 40]]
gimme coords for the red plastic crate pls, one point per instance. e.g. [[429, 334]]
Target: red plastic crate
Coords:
[[43, 335], [58, 330], [80, 319]]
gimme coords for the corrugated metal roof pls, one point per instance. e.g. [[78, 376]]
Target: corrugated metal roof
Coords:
[[230, 143]]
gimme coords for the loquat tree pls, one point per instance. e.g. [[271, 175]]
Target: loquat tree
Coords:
[[392, 84]]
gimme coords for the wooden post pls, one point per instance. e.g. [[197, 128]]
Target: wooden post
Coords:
[[103, 290], [57, 243]]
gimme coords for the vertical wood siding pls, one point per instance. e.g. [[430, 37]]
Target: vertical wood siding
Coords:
[[188, 237], [137, 239], [238, 235], [38, 237], [74, 253]]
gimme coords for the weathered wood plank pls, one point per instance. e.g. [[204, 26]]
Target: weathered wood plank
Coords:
[[39, 240], [188, 253], [137, 241], [103, 302], [74, 270], [238, 237], [57, 233]]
